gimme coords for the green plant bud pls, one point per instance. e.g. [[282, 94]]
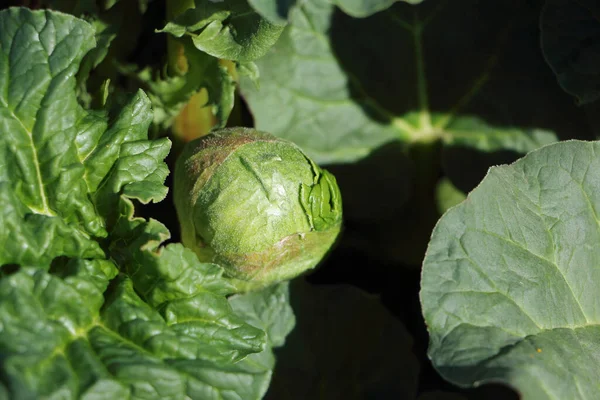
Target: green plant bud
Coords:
[[256, 205]]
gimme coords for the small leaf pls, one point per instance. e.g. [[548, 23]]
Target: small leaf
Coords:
[[230, 30], [268, 309], [170, 95], [447, 195]]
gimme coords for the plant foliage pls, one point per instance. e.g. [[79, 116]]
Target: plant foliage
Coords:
[[462, 137]]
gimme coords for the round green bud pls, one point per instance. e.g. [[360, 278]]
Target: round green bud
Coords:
[[256, 205]]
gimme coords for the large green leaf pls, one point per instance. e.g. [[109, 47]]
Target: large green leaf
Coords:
[[509, 284], [231, 30], [62, 338], [333, 85], [365, 8], [118, 25], [59, 161], [231, 359], [47, 140], [303, 93], [346, 345], [277, 11], [571, 44], [91, 304], [349, 90]]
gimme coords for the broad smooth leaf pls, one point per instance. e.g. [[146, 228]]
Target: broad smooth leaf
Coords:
[[277, 11], [365, 8], [231, 30], [333, 86], [571, 44], [509, 282], [345, 345]]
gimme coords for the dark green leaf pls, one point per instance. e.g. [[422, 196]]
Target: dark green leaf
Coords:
[[447, 85], [333, 86], [571, 44]]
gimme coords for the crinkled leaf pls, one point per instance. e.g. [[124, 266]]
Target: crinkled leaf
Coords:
[[170, 95], [174, 336], [231, 30], [139, 174], [58, 341], [509, 280], [69, 326], [345, 345], [249, 70], [160, 273], [124, 21], [34, 239], [172, 280], [268, 309], [331, 85], [57, 155], [47, 137], [571, 44]]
